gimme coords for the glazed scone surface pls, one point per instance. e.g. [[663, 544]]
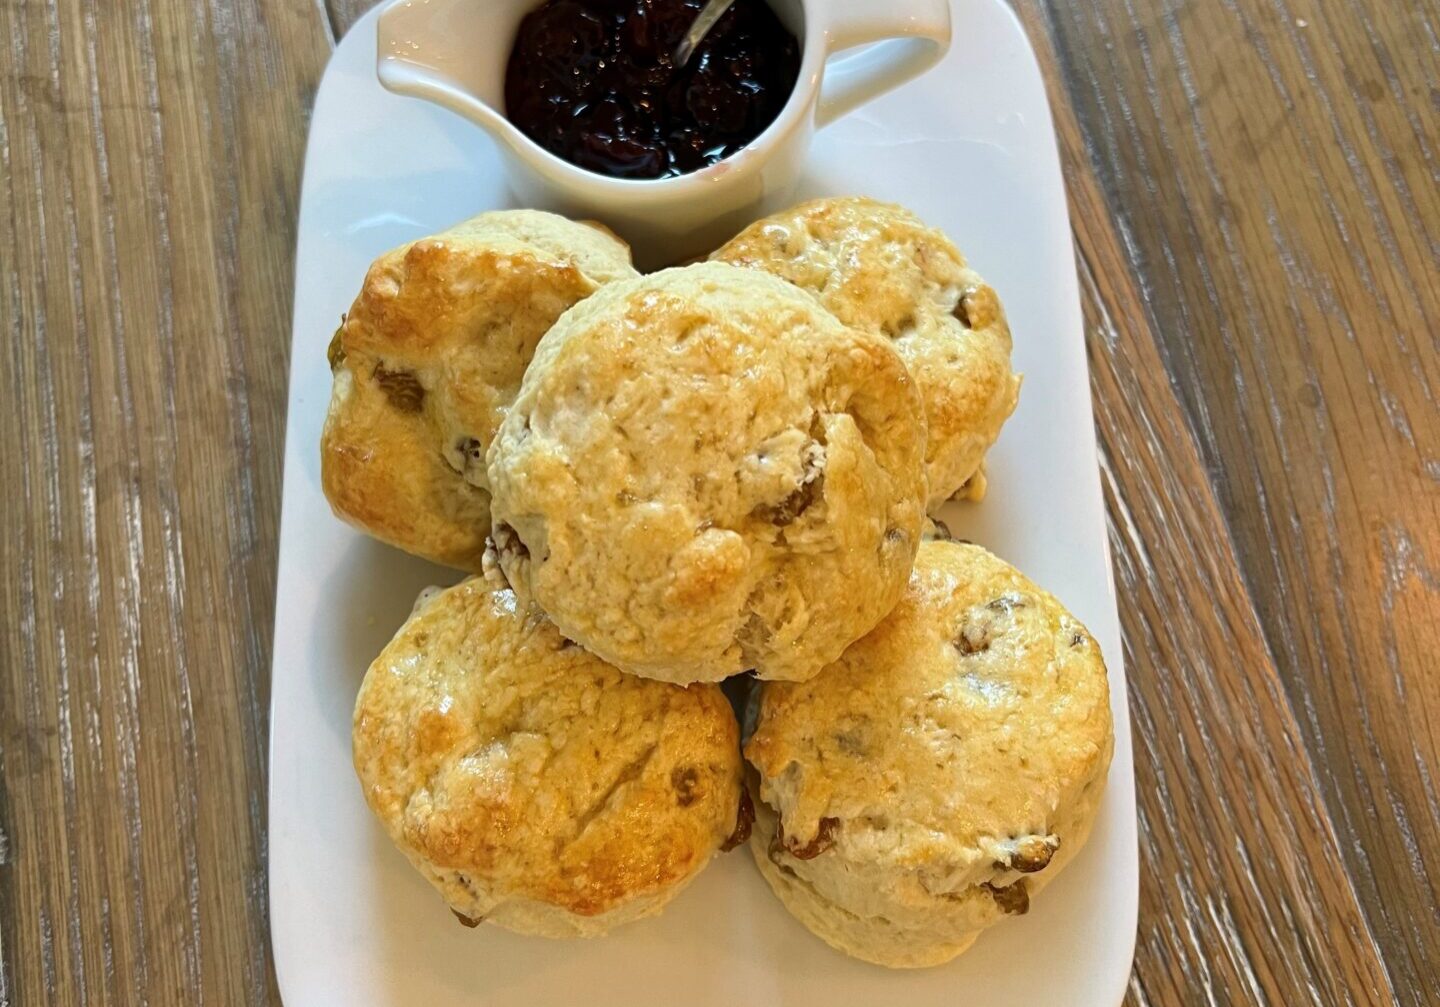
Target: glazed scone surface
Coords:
[[531, 783], [706, 473], [941, 772], [428, 359], [879, 267]]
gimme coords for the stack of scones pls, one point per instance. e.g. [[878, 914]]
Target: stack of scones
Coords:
[[662, 482]]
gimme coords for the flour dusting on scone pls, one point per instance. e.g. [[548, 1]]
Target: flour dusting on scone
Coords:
[[428, 359], [935, 778], [879, 267], [706, 473], [532, 784]]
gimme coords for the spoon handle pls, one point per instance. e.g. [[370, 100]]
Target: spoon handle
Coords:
[[714, 10]]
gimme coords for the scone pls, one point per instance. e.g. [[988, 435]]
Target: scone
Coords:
[[878, 267], [706, 473], [532, 784], [939, 774], [428, 359]]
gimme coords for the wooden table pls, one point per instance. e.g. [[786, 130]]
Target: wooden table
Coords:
[[1256, 213]]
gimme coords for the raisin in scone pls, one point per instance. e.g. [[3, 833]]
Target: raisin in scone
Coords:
[[532, 784], [937, 776], [706, 473], [879, 267], [428, 359]]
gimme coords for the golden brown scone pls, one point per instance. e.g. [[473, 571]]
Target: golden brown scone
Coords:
[[534, 785], [878, 267], [705, 473], [429, 358], [939, 774]]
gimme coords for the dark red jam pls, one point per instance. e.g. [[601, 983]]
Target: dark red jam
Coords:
[[594, 82]]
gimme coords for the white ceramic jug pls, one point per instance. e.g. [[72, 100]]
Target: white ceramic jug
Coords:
[[454, 53]]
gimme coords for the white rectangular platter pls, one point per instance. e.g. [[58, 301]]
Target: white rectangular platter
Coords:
[[970, 148]]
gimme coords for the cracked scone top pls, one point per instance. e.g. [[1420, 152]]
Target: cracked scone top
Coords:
[[532, 784], [941, 772], [706, 473], [879, 267], [428, 359]]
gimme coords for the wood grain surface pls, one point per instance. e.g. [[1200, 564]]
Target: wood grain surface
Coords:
[[1255, 193]]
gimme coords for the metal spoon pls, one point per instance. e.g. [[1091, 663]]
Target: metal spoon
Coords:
[[713, 11]]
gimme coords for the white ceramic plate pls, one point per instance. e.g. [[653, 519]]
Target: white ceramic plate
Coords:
[[970, 148]]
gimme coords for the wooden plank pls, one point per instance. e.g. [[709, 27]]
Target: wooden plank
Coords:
[[1246, 894], [1271, 171], [1255, 210], [1222, 773], [344, 13], [149, 170]]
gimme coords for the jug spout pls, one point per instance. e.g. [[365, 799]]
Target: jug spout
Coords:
[[452, 53]]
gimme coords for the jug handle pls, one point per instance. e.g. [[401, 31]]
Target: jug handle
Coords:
[[911, 36]]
